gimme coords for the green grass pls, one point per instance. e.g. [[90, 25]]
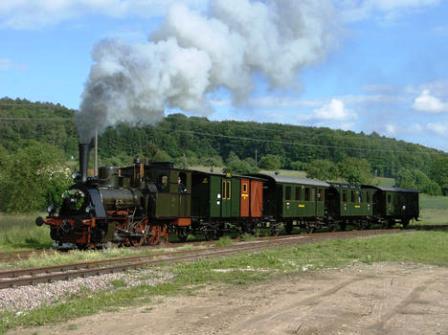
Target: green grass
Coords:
[[76, 256], [224, 241], [20, 232], [433, 209], [383, 181], [246, 269]]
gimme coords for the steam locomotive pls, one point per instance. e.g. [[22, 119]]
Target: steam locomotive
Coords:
[[143, 204]]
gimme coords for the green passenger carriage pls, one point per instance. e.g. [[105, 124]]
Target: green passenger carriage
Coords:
[[396, 204]]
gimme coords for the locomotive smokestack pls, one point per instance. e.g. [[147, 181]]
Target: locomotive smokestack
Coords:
[[84, 151]]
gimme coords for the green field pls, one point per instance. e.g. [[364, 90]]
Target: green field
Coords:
[[434, 209], [19, 232]]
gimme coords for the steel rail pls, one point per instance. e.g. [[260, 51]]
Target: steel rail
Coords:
[[21, 277]]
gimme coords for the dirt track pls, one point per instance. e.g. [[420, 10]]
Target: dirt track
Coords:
[[377, 299]]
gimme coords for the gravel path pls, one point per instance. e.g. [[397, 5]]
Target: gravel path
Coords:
[[26, 298]]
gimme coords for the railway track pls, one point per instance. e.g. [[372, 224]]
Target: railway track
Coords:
[[32, 276]]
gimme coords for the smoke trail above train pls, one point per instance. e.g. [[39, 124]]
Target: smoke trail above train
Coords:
[[196, 53]]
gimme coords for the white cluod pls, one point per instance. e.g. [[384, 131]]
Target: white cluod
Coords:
[[193, 54]]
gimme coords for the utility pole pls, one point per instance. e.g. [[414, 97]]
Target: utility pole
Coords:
[[256, 157]]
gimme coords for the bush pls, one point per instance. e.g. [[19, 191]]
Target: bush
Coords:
[[33, 177]]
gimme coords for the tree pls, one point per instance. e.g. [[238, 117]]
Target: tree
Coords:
[[355, 171], [270, 162], [416, 179], [235, 165], [36, 176], [322, 169], [439, 172]]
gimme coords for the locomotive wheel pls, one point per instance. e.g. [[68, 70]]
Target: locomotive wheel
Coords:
[[142, 229], [158, 233]]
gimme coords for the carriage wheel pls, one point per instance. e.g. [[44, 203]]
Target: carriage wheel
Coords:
[[182, 234], [405, 223]]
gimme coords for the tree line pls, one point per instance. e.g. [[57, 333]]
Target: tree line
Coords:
[[33, 129]]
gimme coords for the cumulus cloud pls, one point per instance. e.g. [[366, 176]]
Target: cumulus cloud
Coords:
[[32, 14], [428, 103], [335, 110]]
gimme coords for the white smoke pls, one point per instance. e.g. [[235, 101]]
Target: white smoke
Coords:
[[195, 53]]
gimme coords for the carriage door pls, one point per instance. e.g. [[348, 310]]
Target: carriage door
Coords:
[[245, 198], [226, 191], [184, 190]]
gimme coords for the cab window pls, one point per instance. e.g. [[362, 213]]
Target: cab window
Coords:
[[344, 196], [162, 183], [352, 196]]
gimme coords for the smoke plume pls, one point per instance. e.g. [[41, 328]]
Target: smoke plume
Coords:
[[195, 53]]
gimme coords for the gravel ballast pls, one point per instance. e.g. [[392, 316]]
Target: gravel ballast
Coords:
[[26, 298]]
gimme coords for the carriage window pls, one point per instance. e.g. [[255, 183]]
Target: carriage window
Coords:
[[307, 194], [224, 189], [320, 195], [244, 188], [288, 193], [389, 198], [162, 183], [298, 193], [344, 196], [353, 196], [360, 197]]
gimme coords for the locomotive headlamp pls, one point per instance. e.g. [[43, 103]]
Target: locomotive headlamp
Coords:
[[89, 209], [50, 209]]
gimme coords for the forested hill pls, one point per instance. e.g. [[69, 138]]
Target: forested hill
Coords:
[[193, 140]]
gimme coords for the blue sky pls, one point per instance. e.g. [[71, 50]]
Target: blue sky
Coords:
[[388, 71]]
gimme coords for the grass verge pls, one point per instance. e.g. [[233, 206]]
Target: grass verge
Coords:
[[18, 231], [434, 210], [246, 269]]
